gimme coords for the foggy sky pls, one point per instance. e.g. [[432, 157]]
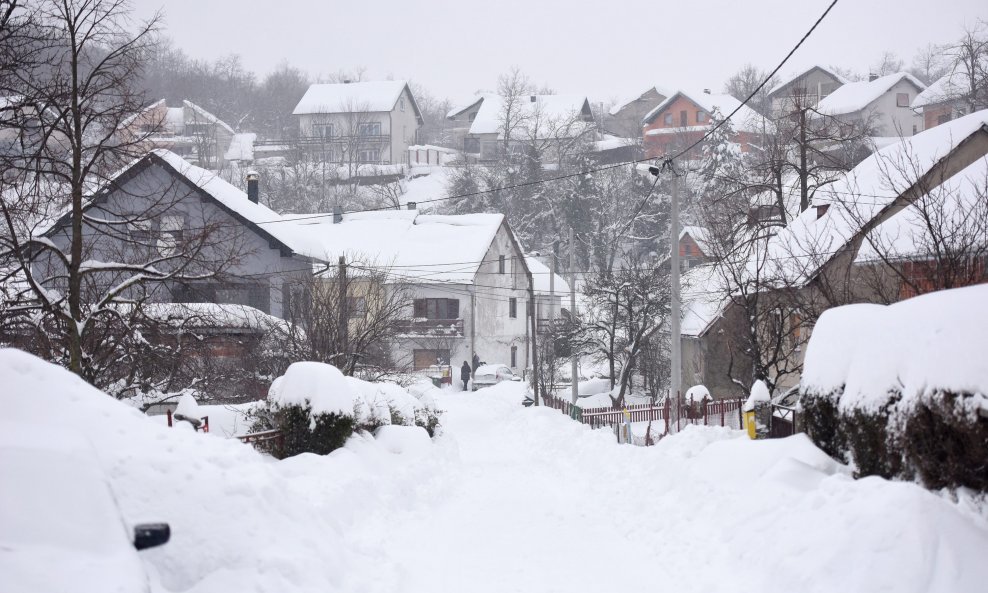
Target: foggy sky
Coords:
[[605, 49]]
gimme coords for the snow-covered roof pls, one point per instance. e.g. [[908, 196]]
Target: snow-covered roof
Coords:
[[794, 77], [553, 109], [201, 114], [746, 119], [540, 277], [211, 315], [241, 147], [953, 205], [704, 299], [351, 97], [798, 251], [855, 96], [461, 106], [416, 247], [661, 90], [946, 88]]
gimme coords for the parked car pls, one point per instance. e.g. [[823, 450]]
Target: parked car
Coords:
[[60, 527], [492, 374]]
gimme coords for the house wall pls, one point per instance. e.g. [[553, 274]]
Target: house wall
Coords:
[[627, 122], [671, 137], [404, 126], [817, 84], [247, 259], [460, 125], [892, 120]]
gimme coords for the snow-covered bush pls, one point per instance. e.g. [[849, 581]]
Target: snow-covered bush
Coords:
[[903, 390], [313, 406]]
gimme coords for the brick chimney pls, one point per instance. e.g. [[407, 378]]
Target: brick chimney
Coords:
[[872, 76], [412, 206], [337, 215], [253, 192]]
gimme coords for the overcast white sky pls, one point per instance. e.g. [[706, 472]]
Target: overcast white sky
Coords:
[[605, 49]]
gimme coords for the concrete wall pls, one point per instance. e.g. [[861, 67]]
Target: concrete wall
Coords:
[[892, 120], [627, 122]]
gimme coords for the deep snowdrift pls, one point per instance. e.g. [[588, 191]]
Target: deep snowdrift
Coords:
[[508, 499]]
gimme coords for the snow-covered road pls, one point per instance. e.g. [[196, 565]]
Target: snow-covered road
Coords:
[[508, 499]]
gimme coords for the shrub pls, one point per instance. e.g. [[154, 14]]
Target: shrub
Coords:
[[428, 418], [303, 432], [946, 442], [823, 424], [870, 443]]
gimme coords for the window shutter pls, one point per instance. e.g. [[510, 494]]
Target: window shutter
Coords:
[[453, 308], [420, 308]]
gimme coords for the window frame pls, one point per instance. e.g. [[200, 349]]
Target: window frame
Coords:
[[501, 264], [902, 99], [513, 308]]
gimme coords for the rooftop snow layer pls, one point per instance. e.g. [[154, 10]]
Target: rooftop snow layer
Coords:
[[800, 249], [948, 87], [662, 91], [746, 119], [704, 298], [552, 110], [855, 96], [540, 277], [352, 97]]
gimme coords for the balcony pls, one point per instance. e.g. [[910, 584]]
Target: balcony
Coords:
[[316, 142], [431, 328]]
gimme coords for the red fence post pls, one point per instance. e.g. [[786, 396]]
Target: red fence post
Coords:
[[169, 412], [722, 409]]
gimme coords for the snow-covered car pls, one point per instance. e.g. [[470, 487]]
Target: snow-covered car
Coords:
[[60, 527], [492, 374]]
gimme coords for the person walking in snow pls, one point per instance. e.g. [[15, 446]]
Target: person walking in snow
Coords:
[[465, 374]]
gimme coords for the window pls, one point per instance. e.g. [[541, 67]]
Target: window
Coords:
[[368, 155], [915, 129], [401, 104], [172, 232], [437, 308], [323, 130], [423, 359], [902, 99], [471, 145], [369, 129], [513, 309], [141, 232], [683, 119], [356, 307], [251, 295], [701, 117], [500, 264], [514, 356], [668, 119]]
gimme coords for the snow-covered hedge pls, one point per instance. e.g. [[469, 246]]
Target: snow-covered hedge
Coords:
[[317, 408], [902, 390]]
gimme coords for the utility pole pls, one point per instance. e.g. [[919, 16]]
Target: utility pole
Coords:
[[552, 283], [344, 320], [675, 379], [535, 359], [572, 317]]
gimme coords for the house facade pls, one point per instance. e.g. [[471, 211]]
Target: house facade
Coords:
[[186, 130], [625, 117], [805, 89], [945, 99], [359, 122], [884, 103], [684, 117]]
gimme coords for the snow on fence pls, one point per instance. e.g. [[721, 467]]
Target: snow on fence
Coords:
[[265, 441], [726, 412]]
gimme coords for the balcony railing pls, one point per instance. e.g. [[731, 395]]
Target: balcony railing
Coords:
[[438, 328], [328, 141]]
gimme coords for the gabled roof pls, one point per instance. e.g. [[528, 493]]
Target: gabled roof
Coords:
[[791, 79], [557, 108], [870, 193], [746, 119], [540, 277], [462, 106], [660, 90], [855, 96], [704, 299], [354, 97], [699, 234], [948, 87]]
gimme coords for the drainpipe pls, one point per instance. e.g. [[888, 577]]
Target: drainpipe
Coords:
[[473, 333]]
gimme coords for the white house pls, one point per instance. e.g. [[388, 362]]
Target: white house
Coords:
[[188, 131], [804, 89], [885, 102], [550, 119], [360, 122]]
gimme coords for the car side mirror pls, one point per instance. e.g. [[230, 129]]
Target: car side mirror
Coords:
[[150, 535]]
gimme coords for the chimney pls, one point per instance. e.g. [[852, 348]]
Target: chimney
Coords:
[[412, 206], [872, 76], [533, 99], [253, 193], [347, 81], [337, 215], [821, 210], [706, 91]]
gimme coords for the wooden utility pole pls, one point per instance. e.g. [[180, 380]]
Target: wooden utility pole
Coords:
[[535, 358], [675, 379], [344, 320], [572, 315]]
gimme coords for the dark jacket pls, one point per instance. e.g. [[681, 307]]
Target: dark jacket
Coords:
[[465, 372]]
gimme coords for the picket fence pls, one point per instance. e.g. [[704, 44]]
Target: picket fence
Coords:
[[726, 412]]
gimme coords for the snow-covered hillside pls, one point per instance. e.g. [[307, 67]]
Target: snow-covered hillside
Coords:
[[508, 499]]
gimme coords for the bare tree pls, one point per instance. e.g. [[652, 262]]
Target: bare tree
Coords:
[[743, 83], [888, 63]]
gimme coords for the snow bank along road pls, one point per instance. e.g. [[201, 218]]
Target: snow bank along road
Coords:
[[509, 499]]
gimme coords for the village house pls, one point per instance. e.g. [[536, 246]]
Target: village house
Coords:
[[551, 121], [370, 122], [693, 247], [881, 103], [862, 240], [804, 90], [945, 99], [190, 132], [684, 117], [552, 298], [625, 117]]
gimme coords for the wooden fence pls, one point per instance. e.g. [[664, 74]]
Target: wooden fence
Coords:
[[726, 412], [266, 441]]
